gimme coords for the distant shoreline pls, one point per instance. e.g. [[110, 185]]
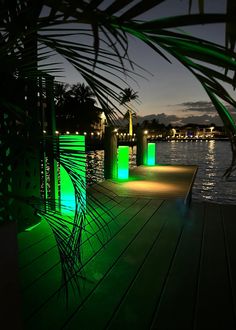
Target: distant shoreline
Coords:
[[92, 145]]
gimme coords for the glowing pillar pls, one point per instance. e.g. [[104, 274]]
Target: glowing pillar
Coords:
[[67, 191], [123, 162], [72, 154], [151, 159]]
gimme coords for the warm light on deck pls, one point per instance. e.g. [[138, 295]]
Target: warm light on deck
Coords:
[[123, 162], [151, 187]]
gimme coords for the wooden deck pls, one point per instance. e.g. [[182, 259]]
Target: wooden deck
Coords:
[[162, 181], [156, 264]]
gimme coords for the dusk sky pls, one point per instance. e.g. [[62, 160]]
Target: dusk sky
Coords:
[[171, 92]]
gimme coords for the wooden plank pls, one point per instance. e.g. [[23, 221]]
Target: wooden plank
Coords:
[[214, 309], [165, 182], [28, 239], [30, 254], [175, 308], [102, 188], [50, 258], [46, 289], [154, 245]]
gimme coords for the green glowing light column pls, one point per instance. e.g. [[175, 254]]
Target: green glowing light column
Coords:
[[151, 159], [123, 162], [67, 191], [73, 165]]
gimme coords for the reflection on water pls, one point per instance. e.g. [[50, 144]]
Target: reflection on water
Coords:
[[212, 159], [95, 171]]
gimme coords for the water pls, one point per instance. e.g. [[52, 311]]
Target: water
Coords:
[[211, 157]]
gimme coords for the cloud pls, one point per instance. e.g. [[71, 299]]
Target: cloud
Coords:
[[199, 112], [203, 119], [199, 106], [179, 120]]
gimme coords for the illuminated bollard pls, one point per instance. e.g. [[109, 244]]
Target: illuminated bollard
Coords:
[[67, 191], [76, 160], [151, 159], [123, 162]]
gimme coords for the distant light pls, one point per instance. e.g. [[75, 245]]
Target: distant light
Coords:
[[98, 133], [77, 133], [117, 133], [44, 132], [85, 133], [134, 134], [67, 132], [92, 133], [57, 132], [115, 130], [145, 132]]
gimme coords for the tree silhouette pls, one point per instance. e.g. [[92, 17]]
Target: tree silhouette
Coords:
[[76, 110], [126, 97]]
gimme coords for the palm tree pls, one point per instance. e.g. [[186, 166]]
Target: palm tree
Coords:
[[60, 93], [77, 110], [127, 96], [83, 93]]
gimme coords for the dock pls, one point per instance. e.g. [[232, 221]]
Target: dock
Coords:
[[159, 261]]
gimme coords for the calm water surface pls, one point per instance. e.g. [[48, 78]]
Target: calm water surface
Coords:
[[212, 158]]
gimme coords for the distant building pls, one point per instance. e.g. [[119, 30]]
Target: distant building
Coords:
[[198, 131], [99, 127]]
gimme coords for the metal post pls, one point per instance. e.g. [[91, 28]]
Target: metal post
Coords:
[[110, 157], [141, 158]]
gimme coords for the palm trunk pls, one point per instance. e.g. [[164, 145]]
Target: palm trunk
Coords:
[[130, 123]]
